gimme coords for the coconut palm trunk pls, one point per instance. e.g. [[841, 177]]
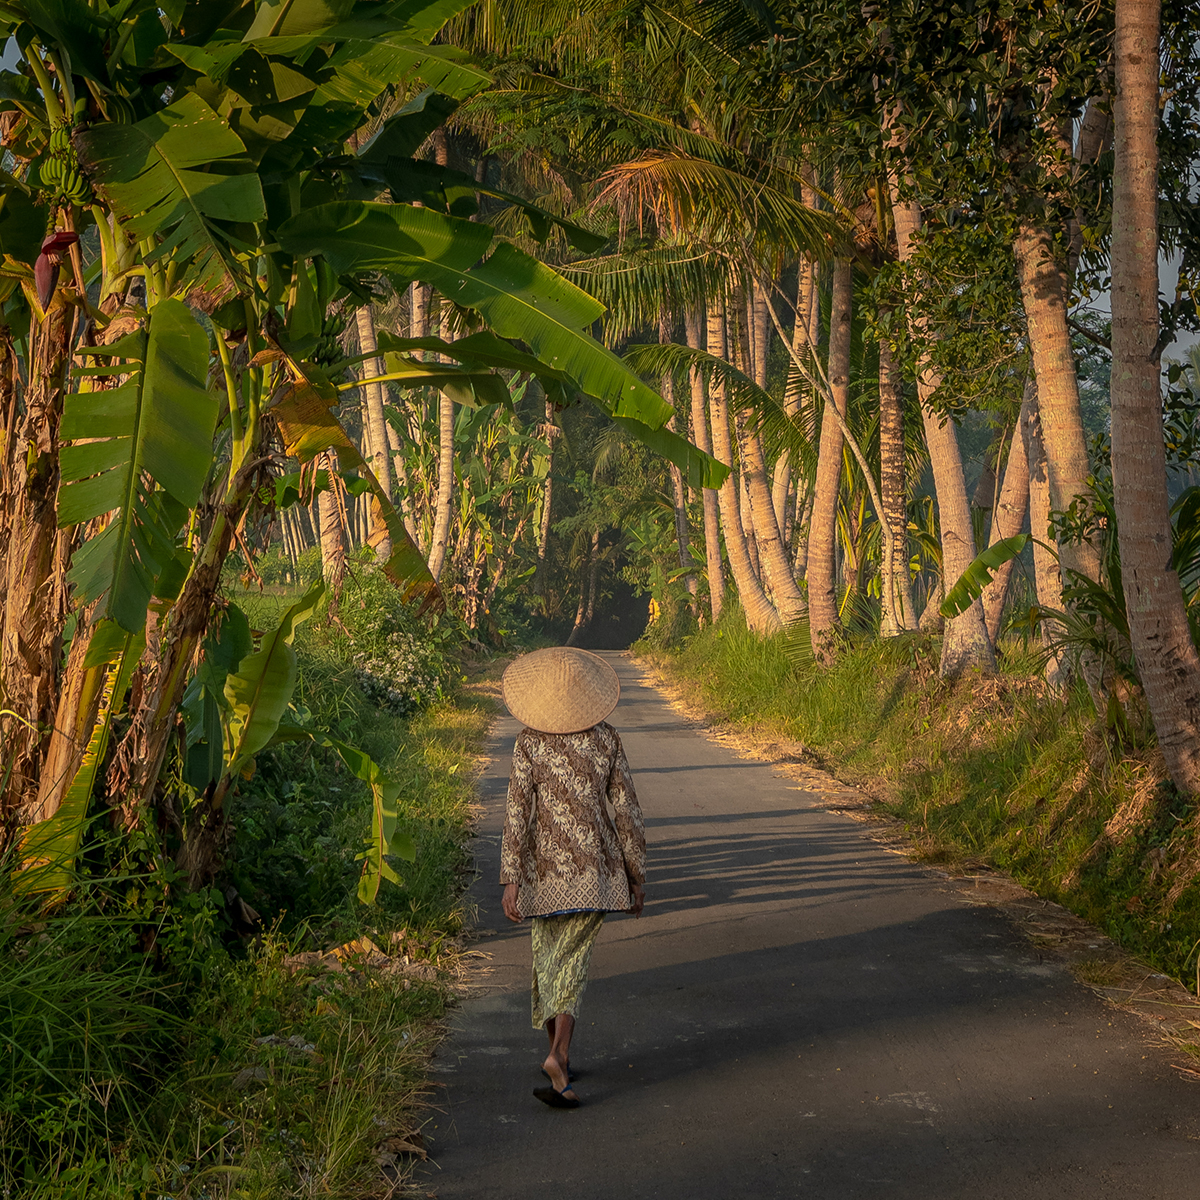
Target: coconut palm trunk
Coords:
[[896, 588], [1044, 296], [444, 508], [373, 418], [1047, 579], [965, 643], [772, 550], [678, 493], [805, 334], [551, 432], [822, 537], [760, 613], [1163, 648], [332, 531], [1009, 515], [695, 333], [580, 621]]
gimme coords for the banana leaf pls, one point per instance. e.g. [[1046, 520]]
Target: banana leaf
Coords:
[[259, 692], [309, 427], [518, 296], [969, 586], [170, 177], [383, 839], [157, 425]]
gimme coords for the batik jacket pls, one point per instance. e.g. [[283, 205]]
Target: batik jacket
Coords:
[[560, 843]]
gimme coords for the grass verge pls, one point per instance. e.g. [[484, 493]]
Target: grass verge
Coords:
[[148, 1050], [996, 770]]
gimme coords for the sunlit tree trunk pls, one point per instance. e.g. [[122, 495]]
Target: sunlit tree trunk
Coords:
[[332, 531], [1166, 656], [965, 643], [373, 412], [396, 446], [593, 578], [760, 613], [822, 537], [551, 432], [898, 612], [703, 441], [772, 551], [444, 508], [738, 354], [1044, 296]]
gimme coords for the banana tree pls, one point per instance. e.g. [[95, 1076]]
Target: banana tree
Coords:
[[212, 221]]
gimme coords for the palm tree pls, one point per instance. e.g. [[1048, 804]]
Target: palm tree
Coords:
[[1158, 625]]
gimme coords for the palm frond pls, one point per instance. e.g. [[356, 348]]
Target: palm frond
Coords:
[[638, 285], [768, 417], [685, 195]]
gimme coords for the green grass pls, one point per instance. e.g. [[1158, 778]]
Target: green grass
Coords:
[[996, 770]]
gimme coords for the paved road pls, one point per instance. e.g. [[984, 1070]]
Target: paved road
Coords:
[[799, 1013]]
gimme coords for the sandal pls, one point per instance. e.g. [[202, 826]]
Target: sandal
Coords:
[[556, 1099]]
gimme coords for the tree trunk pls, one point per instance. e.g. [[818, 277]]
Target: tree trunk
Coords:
[[898, 612], [543, 539], [1043, 293], [445, 493], [1047, 579], [402, 484], [1009, 515], [581, 608], [593, 578], [702, 441], [678, 493], [805, 333], [760, 614], [373, 418], [1094, 133], [1166, 656], [965, 643], [821, 570], [332, 532], [738, 354], [772, 551], [34, 586]]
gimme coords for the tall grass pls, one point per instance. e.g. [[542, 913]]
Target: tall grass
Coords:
[[88, 1028], [997, 770]]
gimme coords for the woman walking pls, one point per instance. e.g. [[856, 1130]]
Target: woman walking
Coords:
[[565, 861]]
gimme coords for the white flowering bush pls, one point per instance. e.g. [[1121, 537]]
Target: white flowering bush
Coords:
[[401, 673]]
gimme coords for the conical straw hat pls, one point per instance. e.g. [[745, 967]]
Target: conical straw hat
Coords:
[[560, 690]]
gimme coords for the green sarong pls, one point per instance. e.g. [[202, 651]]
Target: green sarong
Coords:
[[562, 952]]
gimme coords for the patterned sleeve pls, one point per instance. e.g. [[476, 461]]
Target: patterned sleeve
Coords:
[[627, 813], [518, 817]]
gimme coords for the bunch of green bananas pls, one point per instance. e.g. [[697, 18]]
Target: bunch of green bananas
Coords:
[[329, 345], [60, 174]]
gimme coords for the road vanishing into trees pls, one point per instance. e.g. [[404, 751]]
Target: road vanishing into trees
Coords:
[[798, 1013]]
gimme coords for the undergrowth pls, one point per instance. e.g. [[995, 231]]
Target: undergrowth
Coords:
[[995, 770], [156, 1043]]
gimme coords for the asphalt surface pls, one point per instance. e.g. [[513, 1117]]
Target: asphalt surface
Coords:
[[798, 1013]]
